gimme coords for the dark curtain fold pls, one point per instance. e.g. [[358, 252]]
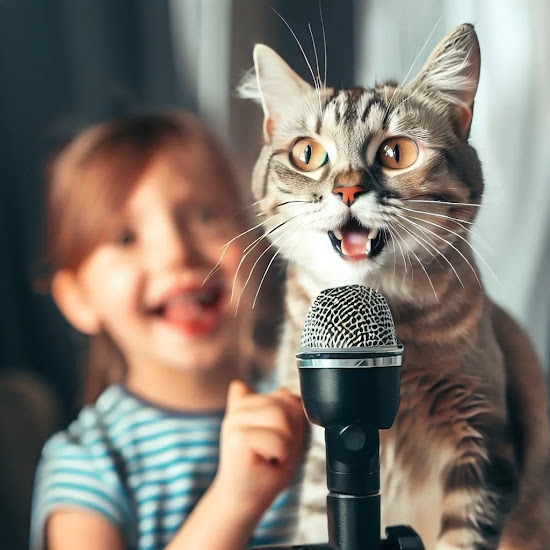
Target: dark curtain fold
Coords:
[[63, 64]]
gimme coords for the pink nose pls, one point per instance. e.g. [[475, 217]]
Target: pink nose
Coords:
[[348, 194]]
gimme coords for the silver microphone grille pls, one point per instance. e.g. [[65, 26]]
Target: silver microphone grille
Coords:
[[348, 317]]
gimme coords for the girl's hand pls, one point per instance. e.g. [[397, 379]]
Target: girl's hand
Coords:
[[261, 441]]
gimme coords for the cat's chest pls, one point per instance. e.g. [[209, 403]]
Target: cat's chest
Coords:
[[410, 473]]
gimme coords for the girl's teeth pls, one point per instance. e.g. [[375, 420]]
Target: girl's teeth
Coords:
[[337, 234]]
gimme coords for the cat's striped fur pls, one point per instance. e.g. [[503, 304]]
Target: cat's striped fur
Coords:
[[466, 463]]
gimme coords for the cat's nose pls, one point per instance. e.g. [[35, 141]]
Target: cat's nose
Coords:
[[348, 193]]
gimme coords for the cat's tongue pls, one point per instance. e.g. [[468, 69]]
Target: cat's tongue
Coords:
[[356, 244]]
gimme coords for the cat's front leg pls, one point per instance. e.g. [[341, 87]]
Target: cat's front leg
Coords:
[[479, 490]]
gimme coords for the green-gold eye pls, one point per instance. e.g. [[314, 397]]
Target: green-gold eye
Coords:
[[308, 155]]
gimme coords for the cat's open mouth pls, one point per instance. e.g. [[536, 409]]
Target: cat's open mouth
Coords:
[[354, 241]]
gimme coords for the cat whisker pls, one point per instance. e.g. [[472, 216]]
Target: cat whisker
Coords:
[[253, 245], [443, 202], [474, 250], [394, 252], [318, 70], [421, 264], [471, 232], [429, 213], [297, 240], [411, 68], [254, 266], [402, 103], [458, 221], [264, 276], [437, 250], [290, 202], [303, 53], [448, 243], [416, 237], [395, 238], [253, 205], [226, 247], [400, 238], [296, 243], [273, 243], [324, 44]]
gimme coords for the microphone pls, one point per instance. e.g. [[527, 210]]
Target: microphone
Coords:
[[350, 369], [350, 359]]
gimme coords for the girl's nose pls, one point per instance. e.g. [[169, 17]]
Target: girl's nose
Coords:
[[175, 247]]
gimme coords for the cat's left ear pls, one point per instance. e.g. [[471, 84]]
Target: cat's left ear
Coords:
[[451, 75], [274, 83]]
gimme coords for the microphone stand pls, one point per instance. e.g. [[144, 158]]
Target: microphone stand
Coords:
[[352, 393]]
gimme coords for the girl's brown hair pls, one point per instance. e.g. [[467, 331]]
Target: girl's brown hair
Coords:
[[90, 178], [87, 184]]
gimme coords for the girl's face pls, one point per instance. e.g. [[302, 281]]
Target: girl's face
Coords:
[[145, 285]]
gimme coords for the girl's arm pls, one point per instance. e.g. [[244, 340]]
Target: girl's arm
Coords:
[[261, 442], [215, 524], [67, 529]]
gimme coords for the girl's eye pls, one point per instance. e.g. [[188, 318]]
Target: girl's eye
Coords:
[[397, 153], [126, 237], [308, 154], [206, 215]]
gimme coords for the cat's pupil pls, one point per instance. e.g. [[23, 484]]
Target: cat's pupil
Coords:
[[306, 155], [392, 152]]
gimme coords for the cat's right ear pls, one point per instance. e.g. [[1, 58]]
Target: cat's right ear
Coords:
[[272, 83], [451, 74]]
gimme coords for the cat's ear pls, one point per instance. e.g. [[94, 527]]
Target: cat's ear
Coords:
[[272, 83], [451, 75]]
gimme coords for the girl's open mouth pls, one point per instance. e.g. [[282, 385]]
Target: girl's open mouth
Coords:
[[354, 242], [194, 311]]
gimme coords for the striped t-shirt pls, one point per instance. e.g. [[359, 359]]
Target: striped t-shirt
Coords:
[[142, 468]]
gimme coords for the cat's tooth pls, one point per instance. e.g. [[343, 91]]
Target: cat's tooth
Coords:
[[373, 233], [337, 234], [368, 247]]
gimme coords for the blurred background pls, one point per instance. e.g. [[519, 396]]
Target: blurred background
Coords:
[[65, 64]]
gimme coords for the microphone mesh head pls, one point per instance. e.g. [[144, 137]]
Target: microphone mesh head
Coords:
[[348, 317]]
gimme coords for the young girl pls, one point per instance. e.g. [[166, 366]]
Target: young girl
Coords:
[[139, 210]]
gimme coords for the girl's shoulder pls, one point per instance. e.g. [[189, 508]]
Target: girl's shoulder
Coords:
[[80, 468], [121, 424], [93, 427]]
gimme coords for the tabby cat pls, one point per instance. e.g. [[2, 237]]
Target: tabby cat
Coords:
[[380, 187]]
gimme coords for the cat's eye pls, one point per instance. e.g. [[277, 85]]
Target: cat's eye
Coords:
[[308, 154], [397, 153]]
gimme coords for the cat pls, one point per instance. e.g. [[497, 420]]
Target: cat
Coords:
[[380, 187]]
